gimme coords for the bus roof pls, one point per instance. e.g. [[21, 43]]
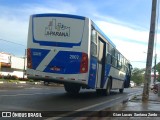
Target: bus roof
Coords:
[[59, 15]]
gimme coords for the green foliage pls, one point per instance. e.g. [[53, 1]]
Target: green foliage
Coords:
[[30, 80], [13, 81], [137, 76], [158, 70]]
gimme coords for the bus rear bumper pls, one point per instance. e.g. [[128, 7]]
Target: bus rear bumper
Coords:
[[58, 78]]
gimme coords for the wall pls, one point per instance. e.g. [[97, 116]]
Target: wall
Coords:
[[11, 65]]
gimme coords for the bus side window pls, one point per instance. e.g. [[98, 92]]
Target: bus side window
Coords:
[[110, 49], [93, 49], [116, 58], [116, 63], [123, 67], [119, 65], [93, 43], [116, 54], [113, 61], [94, 36], [113, 52], [119, 61], [108, 59], [107, 48]]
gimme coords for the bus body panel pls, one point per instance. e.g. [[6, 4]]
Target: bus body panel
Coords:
[[118, 78], [92, 72]]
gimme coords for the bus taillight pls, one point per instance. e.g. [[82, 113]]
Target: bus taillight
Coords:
[[29, 59], [84, 63]]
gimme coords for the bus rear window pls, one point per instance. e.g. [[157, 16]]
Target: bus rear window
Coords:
[[57, 29]]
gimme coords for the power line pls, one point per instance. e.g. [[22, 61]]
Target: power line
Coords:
[[12, 42]]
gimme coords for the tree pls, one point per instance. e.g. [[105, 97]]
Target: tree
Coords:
[[158, 70], [138, 76]]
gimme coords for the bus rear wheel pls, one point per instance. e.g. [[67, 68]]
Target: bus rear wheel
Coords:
[[107, 91], [46, 83], [122, 89], [72, 88]]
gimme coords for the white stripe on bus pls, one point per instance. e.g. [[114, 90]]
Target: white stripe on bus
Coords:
[[47, 60]]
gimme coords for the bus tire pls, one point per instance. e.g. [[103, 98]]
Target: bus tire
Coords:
[[46, 83], [72, 88], [122, 89], [107, 91]]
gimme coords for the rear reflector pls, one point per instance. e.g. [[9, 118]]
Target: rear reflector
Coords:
[[84, 63], [29, 59]]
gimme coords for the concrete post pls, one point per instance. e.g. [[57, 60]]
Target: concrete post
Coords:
[[145, 96], [159, 90]]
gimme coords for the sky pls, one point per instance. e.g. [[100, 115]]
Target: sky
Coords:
[[125, 22]]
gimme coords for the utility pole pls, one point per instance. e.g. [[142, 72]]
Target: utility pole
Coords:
[[145, 96], [155, 76], [24, 67]]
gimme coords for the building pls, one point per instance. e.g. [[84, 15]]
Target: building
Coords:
[[12, 65]]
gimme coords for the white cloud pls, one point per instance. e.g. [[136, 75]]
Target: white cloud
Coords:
[[12, 30], [66, 8], [132, 43], [14, 22], [123, 32]]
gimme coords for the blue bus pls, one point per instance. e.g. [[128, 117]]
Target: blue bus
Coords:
[[72, 50]]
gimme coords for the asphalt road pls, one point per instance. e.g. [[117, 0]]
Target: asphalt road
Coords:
[[50, 98]]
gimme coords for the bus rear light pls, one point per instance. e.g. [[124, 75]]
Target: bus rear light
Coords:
[[46, 76], [29, 59], [84, 63]]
